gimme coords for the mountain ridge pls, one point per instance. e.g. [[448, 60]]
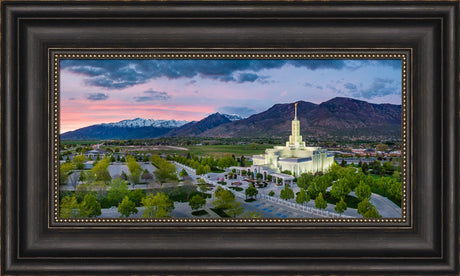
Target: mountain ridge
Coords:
[[339, 116]]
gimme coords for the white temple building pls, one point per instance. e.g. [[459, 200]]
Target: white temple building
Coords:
[[294, 157]]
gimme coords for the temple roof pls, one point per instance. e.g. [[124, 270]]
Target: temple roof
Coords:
[[296, 160]]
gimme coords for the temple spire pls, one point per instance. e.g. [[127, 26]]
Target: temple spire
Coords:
[[295, 117], [295, 140]]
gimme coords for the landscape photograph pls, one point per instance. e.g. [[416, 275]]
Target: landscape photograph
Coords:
[[230, 138]]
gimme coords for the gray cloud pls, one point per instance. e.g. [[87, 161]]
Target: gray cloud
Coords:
[[356, 64], [151, 95], [97, 97], [247, 77], [119, 74], [351, 87], [378, 88]]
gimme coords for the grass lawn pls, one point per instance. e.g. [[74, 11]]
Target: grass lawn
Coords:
[[199, 213], [351, 201], [220, 212]]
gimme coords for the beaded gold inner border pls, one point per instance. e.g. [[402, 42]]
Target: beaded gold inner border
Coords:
[[57, 55]]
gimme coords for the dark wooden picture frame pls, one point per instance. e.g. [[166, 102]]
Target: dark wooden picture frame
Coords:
[[34, 244]]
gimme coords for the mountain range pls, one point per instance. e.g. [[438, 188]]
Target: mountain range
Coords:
[[337, 117]]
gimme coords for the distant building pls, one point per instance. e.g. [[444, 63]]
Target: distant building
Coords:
[[94, 153], [294, 157]]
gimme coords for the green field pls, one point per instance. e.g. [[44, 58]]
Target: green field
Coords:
[[224, 150], [199, 150], [214, 150], [79, 142]]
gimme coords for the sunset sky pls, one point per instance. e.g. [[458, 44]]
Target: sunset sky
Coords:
[[103, 91]]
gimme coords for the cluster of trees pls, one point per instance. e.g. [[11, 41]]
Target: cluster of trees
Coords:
[[166, 171], [99, 172], [386, 168], [89, 198], [345, 179], [70, 207], [110, 193], [342, 181], [225, 199], [206, 164], [157, 206]]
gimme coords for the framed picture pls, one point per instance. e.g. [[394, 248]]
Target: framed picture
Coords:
[[229, 137]]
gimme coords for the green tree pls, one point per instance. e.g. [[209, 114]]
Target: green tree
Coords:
[[78, 160], [271, 193], [301, 197], [219, 191], [320, 202], [197, 202], [99, 172], [387, 168], [64, 170], [118, 189], [69, 207], [364, 206], [136, 196], [157, 206], [235, 209], [166, 171], [341, 206], [127, 207], [90, 207], [372, 213], [394, 188], [183, 173], [340, 189], [304, 180], [363, 191], [164, 175], [251, 191], [224, 199], [200, 170], [98, 188], [135, 170], [286, 193], [124, 176], [365, 167]]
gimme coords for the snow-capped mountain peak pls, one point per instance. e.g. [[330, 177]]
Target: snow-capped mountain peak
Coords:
[[140, 122], [233, 117]]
